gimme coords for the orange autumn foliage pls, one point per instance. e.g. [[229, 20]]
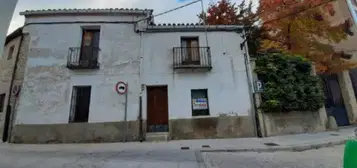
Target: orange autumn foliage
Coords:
[[302, 27]]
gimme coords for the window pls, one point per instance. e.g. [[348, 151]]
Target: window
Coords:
[[10, 53], [199, 98], [2, 102], [80, 102], [190, 50], [90, 44]]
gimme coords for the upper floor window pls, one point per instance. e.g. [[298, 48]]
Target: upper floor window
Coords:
[[190, 55], [11, 52], [90, 44], [90, 37], [190, 50], [86, 55]]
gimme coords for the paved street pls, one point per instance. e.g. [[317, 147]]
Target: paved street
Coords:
[[120, 159], [201, 153], [321, 158]]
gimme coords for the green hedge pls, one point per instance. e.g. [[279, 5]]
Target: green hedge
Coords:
[[288, 84]]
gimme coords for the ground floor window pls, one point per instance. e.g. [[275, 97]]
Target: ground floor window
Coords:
[[80, 104], [199, 98]]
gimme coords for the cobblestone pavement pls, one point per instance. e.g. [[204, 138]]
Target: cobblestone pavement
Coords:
[[321, 158], [121, 159]]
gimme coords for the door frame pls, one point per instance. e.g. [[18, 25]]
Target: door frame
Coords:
[[333, 108], [147, 104]]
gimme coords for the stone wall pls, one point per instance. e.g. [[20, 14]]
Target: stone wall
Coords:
[[212, 127], [6, 72], [76, 132], [197, 128], [292, 123]]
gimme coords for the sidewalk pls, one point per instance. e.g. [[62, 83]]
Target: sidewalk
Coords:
[[298, 142]]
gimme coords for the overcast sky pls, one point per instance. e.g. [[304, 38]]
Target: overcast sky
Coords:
[[185, 15]]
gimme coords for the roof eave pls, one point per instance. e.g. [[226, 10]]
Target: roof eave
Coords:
[[190, 28], [13, 35], [87, 12]]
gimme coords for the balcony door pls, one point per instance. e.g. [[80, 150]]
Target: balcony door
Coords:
[[190, 51], [90, 45]]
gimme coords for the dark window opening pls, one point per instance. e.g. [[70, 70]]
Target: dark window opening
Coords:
[[11, 52], [190, 50], [80, 104], [199, 98], [90, 45], [2, 102]]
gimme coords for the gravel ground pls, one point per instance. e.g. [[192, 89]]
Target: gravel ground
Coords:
[[321, 158]]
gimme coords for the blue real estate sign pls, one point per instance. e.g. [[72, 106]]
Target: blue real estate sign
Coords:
[[200, 104]]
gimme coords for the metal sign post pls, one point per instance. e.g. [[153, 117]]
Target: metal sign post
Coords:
[[122, 88], [125, 114]]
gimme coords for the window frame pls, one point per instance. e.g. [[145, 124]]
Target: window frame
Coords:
[[73, 105], [200, 113], [10, 52]]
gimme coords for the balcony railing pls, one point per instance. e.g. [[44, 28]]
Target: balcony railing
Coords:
[[85, 57], [192, 57]]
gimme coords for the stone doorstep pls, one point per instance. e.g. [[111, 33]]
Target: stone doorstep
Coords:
[[157, 136]]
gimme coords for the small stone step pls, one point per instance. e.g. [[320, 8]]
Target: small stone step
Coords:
[[157, 136]]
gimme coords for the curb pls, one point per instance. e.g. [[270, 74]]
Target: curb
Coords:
[[297, 148]]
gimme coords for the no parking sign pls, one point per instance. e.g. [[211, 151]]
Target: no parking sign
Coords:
[[121, 87]]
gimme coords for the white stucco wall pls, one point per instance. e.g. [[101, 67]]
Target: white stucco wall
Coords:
[[226, 83], [46, 94]]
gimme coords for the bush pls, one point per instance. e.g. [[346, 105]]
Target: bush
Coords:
[[288, 84]]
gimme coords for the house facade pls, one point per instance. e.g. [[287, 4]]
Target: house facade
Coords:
[[341, 88], [7, 9], [185, 81], [12, 67]]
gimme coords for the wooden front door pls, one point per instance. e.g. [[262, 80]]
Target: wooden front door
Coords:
[[157, 109]]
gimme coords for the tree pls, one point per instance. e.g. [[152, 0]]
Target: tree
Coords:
[[224, 12], [303, 28]]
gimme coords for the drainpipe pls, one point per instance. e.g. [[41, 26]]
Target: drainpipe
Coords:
[[253, 108], [9, 111], [140, 116]]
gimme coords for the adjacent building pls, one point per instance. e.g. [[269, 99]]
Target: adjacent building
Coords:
[[182, 81], [341, 88], [6, 11], [12, 68]]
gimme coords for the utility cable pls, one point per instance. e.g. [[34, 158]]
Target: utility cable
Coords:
[[171, 10]]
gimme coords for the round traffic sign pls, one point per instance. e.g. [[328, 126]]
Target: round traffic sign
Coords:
[[121, 87]]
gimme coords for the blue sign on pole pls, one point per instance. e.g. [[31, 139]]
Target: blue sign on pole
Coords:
[[258, 86]]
